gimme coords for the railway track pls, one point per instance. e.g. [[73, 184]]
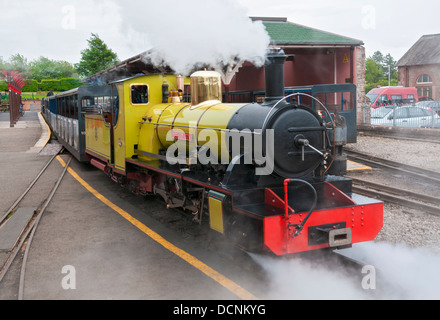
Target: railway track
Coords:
[[416, 172], [406, 198], [410, 199], [23, 242]]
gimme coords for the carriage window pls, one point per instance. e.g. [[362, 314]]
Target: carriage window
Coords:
[[99, 100], [70, 107], [87, 102], [66, 106], [105, 103], [88, 105], [139, 94], [63, 107], [75, 107]]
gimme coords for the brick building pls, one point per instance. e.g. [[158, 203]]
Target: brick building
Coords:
[[314, 57], [420, 67]]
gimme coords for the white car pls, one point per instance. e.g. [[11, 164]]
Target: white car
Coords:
[[405, 116]]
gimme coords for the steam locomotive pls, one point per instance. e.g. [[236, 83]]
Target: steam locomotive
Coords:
[[265, 175]]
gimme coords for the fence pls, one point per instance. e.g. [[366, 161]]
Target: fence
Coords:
[[420, 115]]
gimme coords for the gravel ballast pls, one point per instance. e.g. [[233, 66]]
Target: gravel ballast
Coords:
[[402, 225]]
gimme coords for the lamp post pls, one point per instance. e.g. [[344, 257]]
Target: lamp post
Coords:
[[389, 75]]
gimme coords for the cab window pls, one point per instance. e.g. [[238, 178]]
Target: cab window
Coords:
[[139, 94]]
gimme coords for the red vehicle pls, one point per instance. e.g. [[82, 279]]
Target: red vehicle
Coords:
[[392, 95]]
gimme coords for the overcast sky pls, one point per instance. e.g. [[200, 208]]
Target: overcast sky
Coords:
[[59, 29]]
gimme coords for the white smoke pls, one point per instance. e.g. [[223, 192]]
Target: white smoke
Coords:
[[300, 279], [406, 272], [191, 32], [402, 273]]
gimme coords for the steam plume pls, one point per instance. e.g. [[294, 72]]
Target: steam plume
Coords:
[[191, 32], [402, 273]]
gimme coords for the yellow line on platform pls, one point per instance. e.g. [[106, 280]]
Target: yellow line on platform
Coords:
[[221, 279]]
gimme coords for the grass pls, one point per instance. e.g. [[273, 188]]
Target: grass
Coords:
[[33, 96]]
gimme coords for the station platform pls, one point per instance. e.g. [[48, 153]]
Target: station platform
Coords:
[[357, 167], [20, 158], [35, 138]]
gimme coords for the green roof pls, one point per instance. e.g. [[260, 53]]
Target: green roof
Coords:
[[291, 33]]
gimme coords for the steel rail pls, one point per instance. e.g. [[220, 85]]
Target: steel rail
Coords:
[[398, 192], [428, 175], [387, 194], [419, 201], [32, 224], [34, 228], [31, 185]]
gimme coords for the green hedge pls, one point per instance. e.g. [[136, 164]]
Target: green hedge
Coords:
[[70, 83], [59, 85], [31, 86], [46, 85]]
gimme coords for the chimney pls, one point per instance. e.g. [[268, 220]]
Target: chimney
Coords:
[[274, 74]]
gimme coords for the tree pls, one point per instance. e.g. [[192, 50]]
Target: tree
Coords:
[[373, 72], [96, 57], [44, 68], [2, 63], [376, 71], [378, 58], [389, 62], [18, 62], [15, 62]]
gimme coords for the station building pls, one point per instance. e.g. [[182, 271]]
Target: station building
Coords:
[[314, 57], [420, 67]]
